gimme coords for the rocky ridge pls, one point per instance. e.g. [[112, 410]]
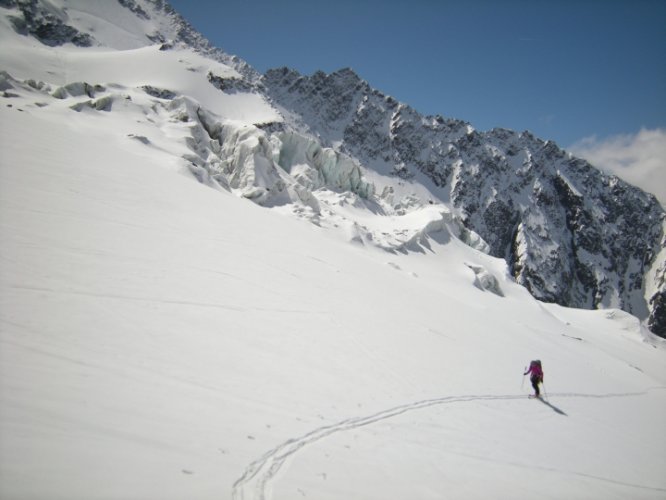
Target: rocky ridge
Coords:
[[570, 233]]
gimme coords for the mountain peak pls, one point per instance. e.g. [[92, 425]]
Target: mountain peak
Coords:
[[347, 73]]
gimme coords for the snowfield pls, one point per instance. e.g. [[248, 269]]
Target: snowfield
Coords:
[[166, 338]]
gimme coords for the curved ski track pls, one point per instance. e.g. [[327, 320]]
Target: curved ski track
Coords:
[[254, 481]]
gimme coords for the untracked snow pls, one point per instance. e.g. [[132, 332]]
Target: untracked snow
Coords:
[[161, 336]]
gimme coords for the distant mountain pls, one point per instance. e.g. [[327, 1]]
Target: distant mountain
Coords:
[[569, 233]]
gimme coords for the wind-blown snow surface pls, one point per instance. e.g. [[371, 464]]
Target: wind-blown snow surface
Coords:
[[162, 339], [159, 337]]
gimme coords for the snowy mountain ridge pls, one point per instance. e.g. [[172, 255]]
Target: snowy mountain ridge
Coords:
[[569, 233], [138, 24]]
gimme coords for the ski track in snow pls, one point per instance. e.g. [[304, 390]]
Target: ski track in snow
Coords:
[[252, 485]]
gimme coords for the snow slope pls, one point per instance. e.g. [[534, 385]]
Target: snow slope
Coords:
[[162, 337]]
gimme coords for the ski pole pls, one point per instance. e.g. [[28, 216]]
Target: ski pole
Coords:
[[545, 392], [523, 382]]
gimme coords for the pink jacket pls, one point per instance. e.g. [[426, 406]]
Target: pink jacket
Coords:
[[535, 370]]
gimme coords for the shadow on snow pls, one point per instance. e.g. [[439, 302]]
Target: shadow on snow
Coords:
[[553, 407]]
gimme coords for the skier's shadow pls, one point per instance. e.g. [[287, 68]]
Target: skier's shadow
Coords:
[[553, 407]]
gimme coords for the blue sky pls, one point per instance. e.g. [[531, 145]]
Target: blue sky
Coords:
[[580, 72]]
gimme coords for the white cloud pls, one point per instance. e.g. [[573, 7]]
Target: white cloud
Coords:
[[639, 159]]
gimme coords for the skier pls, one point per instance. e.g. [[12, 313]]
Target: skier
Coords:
[[536, 376]]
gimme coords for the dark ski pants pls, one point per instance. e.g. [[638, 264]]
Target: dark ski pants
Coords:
[[535, 383]]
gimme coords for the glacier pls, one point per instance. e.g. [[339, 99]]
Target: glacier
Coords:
[[222, 284]]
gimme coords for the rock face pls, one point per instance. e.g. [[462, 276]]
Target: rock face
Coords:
[[571, 234], [46, 23]]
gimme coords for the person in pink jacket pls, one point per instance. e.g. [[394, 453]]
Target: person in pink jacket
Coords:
[[536, 376]]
